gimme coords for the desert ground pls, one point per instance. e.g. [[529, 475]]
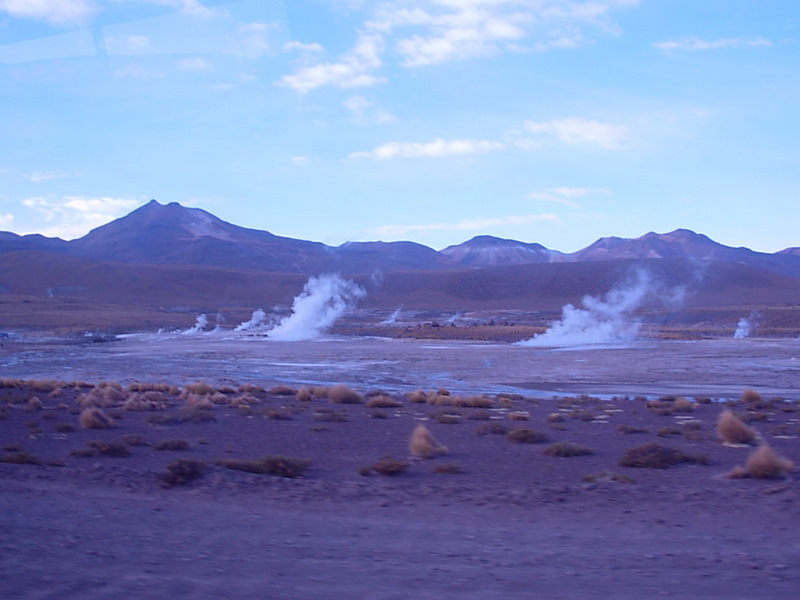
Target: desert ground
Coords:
[[177, 494]]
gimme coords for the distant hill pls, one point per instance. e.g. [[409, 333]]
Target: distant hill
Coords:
[[173, 234]]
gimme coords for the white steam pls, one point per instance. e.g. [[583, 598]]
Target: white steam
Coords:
[[257, 321], [600, 321], [323, 300], [199, 325], [745, 326], [392, 319]]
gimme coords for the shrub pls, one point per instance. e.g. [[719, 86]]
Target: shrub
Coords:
[[519, 415], [447, 469], [526, 436], [95, 418], [181, 472], [199, 388], [733, 430], [656, 456], [492, 427], [567, 449], [417, 397], [282, 390], [667, 431], [134, 439], [64, 427], [423, 445], [280, 466], [479, 415], [110, 448], [172, 445], [751, 398], [764, 463], [390, 466], [34, 403], [681, 404], [135, 402], [343, 394], [383, 402], [303, 394], [20, 457], [632, 429]]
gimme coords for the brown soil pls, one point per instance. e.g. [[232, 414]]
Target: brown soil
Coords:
[[503, 519]]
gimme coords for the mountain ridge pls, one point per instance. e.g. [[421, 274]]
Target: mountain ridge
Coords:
[[170, 233]]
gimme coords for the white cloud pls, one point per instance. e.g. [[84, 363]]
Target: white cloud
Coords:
[[365, 111], [192, 8], [194, 64], [137, 72], [565, 195], [55, 12], [427, 32], [354, 69], [574, 130], [73, 216], [39, 176], [6, 221], [435, 149], [300, 161], [467, 225], [301, 47], [693, 44]]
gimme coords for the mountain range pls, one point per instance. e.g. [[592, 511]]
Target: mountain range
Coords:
[[171, 234]]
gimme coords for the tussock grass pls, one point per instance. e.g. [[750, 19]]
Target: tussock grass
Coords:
[[343, 394], [763, 463], [199, 388], [20, 457], [383, 401], [567, 450], [280, 466], [628, 429], [732, 430], [181, 472], [95, 418], [34, 404], [447, 469], [417, 397], [390, 466], [282, 390], [492, 427], [656, 456], [422, 444], [607, 476], [526, 436], [172, 445], [304, 394]]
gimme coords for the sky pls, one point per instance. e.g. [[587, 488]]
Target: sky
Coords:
[[549, 121]]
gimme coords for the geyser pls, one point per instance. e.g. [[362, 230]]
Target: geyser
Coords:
[[323, 300], [600, 321]]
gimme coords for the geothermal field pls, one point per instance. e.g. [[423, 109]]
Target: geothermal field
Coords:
[[595, 458]]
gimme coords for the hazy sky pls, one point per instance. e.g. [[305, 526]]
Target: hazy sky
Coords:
[[551, 121]]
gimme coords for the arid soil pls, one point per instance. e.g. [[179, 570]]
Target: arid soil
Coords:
[[91, 513]]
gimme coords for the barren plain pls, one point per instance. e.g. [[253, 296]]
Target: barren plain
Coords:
[[92, 513]]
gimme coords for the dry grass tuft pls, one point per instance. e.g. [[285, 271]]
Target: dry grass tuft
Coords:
[[732, 430], [567, 450], [417, 397], [382, 401], [172, 445], [34, 403], [423, 445], [656, 456], [390, 466], [304, 394], [526, 436], [200, 388], [95, 418], [280, 466], [282, 390], [751, 397], [765, 463], [181, 472], [492, 427], [607, 476], [343, 394], [447, 469]]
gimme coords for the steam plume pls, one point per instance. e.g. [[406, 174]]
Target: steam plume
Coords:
[[257, 321], [746, 325], [199, 325], [600, 321], [392, 319], [323, 300]]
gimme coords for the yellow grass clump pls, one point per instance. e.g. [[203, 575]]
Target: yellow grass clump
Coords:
[[34, 403], [765, 463], [343, 394], [732, 430], [423, 445], [94, 418]]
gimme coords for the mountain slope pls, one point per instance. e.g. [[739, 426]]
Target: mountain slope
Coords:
[[490, 251]]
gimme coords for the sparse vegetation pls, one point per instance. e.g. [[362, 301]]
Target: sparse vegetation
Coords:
[[628, 429], [181, 472], [656, 456], [20, 457], [607, 476], [493, 427], [280, 466], [343, 394], [423, 445], [567, 449], [172, 445], [764, 463], [526, 436], [447, 469], [95, 418], [732, 430], [383, 401], [390, 466]]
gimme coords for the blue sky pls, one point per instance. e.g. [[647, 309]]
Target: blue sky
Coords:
[[550, 121]]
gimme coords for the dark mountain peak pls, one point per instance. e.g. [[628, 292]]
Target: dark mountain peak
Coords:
[[487, 251]]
